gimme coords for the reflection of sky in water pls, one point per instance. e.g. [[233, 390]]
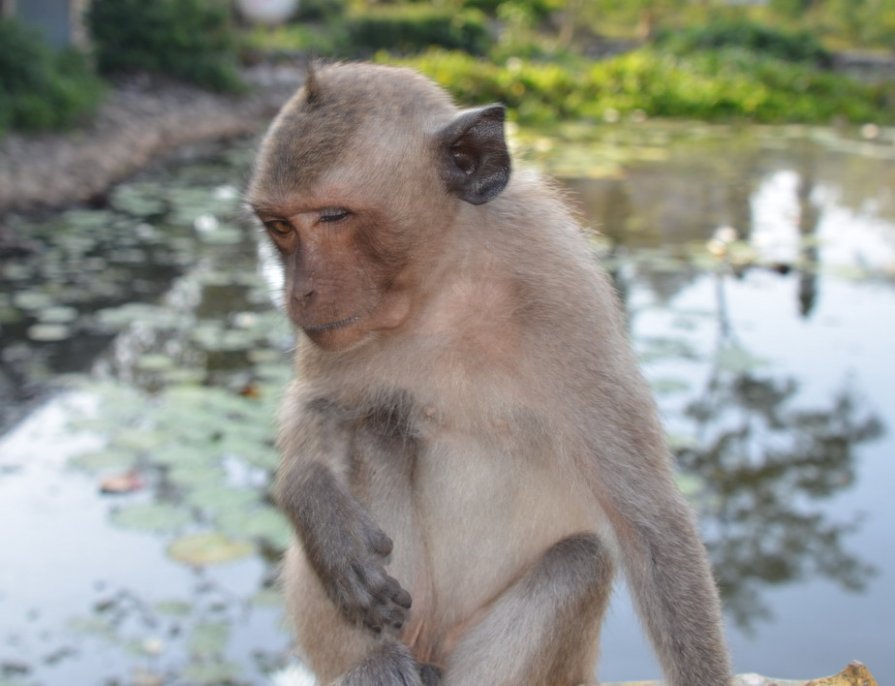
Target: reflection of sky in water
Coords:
[[814, 626], [846, 236], [807, 621]]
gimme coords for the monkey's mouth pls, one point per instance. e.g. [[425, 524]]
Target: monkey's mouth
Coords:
[[329, 326]]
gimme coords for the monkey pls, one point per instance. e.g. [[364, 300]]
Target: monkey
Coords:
[[469, 450]]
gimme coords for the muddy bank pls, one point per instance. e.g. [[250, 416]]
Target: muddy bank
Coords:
[[139, 120]]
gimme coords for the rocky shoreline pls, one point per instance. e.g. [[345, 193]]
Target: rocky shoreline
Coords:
[[140, 119]]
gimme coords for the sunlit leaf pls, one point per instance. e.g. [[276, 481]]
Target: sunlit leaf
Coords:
[[208, 549]]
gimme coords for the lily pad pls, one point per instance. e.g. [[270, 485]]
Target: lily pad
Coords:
[[57, 315], [261, 523], [138, 199], [155, 362], [216, 498], [173, 608], [211, 673], [32, 300], [210, 548], [669, 385], [209, 639], [46, 333], [157, 517], [738, 360]]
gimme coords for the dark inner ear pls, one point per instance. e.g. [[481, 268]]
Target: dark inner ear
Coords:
[[475, 163]]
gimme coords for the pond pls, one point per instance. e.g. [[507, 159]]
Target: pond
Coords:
[[143, 357]]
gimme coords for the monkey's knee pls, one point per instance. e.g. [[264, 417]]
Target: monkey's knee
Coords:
[[389, 665], [581, 559]]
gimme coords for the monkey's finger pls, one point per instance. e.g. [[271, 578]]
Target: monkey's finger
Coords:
[[389, 588], [397, 594], [394, 617], [381, 543]]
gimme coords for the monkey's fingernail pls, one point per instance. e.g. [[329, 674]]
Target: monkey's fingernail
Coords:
[[382, 544], [403, 599]]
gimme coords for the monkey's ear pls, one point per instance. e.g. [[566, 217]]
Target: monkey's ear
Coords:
[[312, 87], [475, 163]]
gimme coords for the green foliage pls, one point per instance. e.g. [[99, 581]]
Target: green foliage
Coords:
[[717, 85], [536, 9], [39, 88], [411, 28], [317, 10], [192, 40], [767, 41], [285, 41]]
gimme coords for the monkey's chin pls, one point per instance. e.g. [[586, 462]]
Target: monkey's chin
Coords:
[[337, 335]]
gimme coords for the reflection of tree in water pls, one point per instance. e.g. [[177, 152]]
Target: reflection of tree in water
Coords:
[[765, 464]]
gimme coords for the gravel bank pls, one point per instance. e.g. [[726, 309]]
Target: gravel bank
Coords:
[[139, 120]]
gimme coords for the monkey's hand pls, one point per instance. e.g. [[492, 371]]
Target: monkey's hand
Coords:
[[344, 546], [351, 567]]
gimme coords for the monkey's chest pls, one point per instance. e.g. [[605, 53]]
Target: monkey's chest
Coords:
[[467, 508]]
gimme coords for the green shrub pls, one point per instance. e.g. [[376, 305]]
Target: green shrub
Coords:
[[40, 88], [409, 29], [317, 10], [192, 40], [537, 9], [720, 85], [790, 46]]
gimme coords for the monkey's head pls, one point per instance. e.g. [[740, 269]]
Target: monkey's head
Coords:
[[358, 183]]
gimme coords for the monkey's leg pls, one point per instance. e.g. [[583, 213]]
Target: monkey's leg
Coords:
[[347, 609], [544, 629], [341, 652]]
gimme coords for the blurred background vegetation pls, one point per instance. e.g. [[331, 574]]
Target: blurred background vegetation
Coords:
[[773, 61]]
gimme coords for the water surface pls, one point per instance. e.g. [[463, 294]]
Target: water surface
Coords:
[[139, 340]]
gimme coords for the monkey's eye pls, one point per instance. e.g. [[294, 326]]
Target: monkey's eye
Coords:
[[333, 214], [278, 227]]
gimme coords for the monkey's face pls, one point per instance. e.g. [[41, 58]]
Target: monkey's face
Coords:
[[358, 183], [340, 289]]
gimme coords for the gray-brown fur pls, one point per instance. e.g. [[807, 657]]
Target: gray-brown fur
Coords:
[[478, 434]]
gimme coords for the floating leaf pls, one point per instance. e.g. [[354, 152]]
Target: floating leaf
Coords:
[[264, 523], [267, 597], [211, 673], [57, 315], [669, 385], [155, 362], [214, 497], [138, 199], [208, 549], [32, 300], [209, 639], [46, 333], [173, 608], [737, 360], [158, 517], [103, 460]]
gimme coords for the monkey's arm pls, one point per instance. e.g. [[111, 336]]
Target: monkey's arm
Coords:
[[666, 565], [341, 541]]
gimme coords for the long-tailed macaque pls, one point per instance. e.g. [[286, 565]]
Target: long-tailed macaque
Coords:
[[468, 429]]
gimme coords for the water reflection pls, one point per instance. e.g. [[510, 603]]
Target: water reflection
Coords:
[[767, 459], [168, 293]]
